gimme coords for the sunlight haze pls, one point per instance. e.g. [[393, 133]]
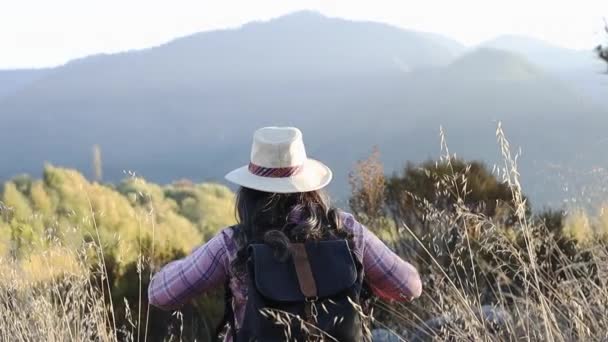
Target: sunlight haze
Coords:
[[50, 33]]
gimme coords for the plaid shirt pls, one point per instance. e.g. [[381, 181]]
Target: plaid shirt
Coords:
[[208, 267]]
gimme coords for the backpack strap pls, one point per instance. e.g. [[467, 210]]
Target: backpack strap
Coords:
[[306, 280], [228, 317], [303, 270]]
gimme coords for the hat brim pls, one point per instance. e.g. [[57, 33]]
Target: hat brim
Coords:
[[313, 176]]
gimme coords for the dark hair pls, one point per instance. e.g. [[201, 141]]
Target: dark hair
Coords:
[[277, 219]]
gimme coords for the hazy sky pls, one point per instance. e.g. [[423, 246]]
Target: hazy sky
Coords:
[[51, 32]]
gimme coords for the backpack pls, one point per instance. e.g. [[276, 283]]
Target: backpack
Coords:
[[314, 295]]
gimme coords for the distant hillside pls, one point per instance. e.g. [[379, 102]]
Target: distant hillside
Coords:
[[201, 94], [493, 64], [543, 53], [11, 81], [580, 69], [188, 108]]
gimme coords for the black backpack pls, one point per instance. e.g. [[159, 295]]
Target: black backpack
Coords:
[[314, 295]]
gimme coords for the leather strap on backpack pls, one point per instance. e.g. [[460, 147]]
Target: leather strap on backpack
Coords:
[[303, 270], [306, 280]]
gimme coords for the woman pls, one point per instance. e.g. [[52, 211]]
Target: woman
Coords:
[[280, 202]]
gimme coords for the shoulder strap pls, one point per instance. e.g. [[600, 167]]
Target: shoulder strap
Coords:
[[228, 318], [303, 270]]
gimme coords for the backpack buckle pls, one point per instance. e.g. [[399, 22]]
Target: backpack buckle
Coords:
[[310, 309], [312, 299]]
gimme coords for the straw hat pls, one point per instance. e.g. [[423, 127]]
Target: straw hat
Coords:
[[279, 164]]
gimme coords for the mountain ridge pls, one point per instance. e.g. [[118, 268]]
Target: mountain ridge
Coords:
[[186, 109]]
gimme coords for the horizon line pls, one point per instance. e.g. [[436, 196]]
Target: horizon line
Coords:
[[268, 20]]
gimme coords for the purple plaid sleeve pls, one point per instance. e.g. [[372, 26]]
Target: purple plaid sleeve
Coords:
[[388, 275], [181, 280]]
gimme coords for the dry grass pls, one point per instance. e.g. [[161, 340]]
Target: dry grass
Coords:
[[62, 306], [63, 292], [483, 281], [486, 282]]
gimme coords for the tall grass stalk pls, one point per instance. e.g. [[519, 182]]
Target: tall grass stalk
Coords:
[[484, 280], [487, 281]]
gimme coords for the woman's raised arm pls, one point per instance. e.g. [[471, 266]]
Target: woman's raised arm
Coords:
[[389, 276], [181, 280]]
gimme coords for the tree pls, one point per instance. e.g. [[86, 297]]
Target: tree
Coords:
[[602, 50], [140, 226], [16, 202], [368, 189], [97, 165], [552, 219], [423, 192], [18, 215], [449, 206]]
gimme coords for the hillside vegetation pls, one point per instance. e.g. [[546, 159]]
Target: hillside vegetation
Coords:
[[62, 230], [492, 269], [77, 255]]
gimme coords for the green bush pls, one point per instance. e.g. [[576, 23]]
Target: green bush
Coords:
[[121, 233]]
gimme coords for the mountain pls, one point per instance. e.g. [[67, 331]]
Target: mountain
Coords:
[[542, 53], [557, 128], [11, 81], [187, 109], [581, 69], [187, 91], [493, 64], [299, 46]]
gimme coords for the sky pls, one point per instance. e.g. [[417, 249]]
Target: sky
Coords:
[[46, 33]]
